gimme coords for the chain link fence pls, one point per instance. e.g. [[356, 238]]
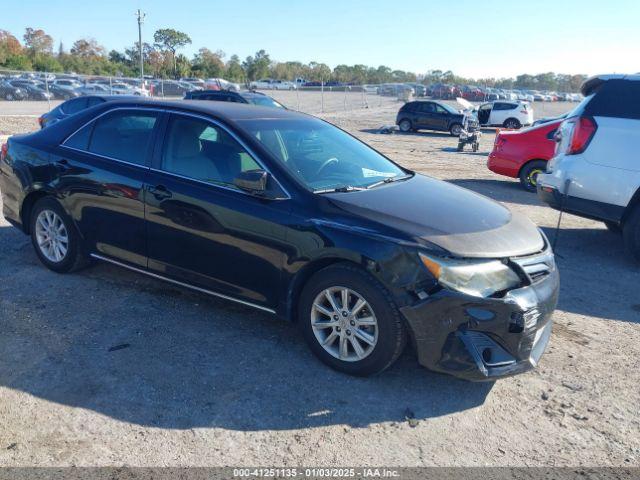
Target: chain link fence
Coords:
[[33, 93]]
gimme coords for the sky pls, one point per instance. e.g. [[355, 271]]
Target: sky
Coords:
[[477, 39]]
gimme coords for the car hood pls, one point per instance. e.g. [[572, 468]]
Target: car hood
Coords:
[[464, 223]]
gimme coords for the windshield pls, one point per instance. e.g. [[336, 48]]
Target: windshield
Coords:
[[322, 156], [264, 101]]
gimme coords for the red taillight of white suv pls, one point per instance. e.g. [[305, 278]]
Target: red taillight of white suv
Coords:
[[582, 131]]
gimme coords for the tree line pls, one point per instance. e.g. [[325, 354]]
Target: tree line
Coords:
[[163, 59]]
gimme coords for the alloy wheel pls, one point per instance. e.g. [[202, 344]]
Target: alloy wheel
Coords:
[[344, 324], [52, 236]]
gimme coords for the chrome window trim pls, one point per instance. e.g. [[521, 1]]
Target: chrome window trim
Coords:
[[124, 162], [182, 284], [251, 153]]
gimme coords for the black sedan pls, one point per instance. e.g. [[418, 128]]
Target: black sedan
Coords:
[[288, 214], [9, 92], [428, 115], [34, 92]]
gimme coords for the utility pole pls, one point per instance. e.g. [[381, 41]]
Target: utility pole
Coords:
[[140, 15]]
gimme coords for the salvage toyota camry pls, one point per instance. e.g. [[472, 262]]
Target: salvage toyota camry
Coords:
[[288, 214]]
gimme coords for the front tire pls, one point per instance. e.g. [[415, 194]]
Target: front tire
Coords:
[[631, 234], [54, 237], [529, 174], [350, 321], [455, 130]]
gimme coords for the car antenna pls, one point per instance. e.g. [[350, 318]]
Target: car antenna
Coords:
[[563, 199]]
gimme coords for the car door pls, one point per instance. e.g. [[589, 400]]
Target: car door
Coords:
[[425, 113], [102, 169], [440, 118], [204, 231]]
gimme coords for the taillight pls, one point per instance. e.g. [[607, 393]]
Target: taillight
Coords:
[[4, 151], [40, 120], [583, 131]]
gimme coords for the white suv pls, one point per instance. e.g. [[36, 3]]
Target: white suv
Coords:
[[595, 172], [505, 113]]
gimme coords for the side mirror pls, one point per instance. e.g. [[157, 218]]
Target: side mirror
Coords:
[[254, 181]]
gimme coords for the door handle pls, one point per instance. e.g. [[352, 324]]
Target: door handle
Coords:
[[160, 192]]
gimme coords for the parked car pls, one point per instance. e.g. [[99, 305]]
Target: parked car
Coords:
[[290, 215], [270, 84], [524, 153], [220, 84], [9, 92], [67, 83], [170, 88], [595, 172], [93, 89], [371, 89], [430, 115], [512, 114], [58, 92], [73, 106], [254, 98], [419, 89], [31, 89]]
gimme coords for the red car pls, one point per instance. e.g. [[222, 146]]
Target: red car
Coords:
[[523, 153]]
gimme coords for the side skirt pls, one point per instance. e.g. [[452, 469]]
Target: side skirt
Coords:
[[186, 285]]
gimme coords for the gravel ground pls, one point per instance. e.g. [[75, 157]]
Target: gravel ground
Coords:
[[106, 367]]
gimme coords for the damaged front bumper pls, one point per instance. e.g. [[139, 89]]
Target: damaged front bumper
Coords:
[[485, 338]]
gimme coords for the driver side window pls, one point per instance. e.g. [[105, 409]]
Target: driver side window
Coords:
[[197, 149]]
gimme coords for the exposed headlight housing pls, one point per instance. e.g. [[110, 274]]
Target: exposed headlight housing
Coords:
[[479, 278]]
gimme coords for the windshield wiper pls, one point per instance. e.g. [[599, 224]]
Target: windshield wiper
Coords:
[[345, 188], [389, 180]]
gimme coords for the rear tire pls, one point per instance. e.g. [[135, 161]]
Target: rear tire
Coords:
[[377, 346], [631, 234], [62, 254], [512, 123], [405, 126], [530, 172]]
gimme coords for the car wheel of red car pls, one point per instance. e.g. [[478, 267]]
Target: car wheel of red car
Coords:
[[529, 174]]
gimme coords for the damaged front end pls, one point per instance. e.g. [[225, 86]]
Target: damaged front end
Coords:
[[478, 338]]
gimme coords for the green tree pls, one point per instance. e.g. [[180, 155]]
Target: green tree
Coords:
[[258, 66], [234, 71], [171, 40], [208, 64]]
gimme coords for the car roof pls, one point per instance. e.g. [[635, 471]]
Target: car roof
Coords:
[[224, 110], [594, 82]]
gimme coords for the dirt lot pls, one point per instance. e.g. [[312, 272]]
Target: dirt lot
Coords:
[[106, 367]]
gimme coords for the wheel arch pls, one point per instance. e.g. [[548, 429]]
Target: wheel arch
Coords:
[[27, 207], [303, 275], [632, 205]]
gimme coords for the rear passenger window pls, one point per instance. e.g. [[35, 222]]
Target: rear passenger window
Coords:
[[80, 139], [616, 98], [123, 135], [74, 106]]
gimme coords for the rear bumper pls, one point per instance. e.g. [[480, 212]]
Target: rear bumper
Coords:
[[578, 206], [484, 339], [502, 166]]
